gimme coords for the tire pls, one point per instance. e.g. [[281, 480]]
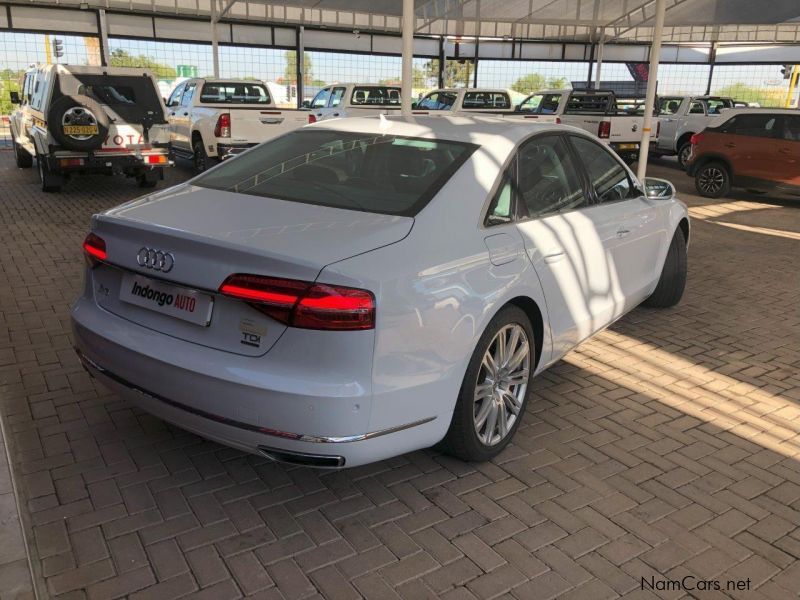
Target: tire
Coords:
[[683, 154], [202, 161], [150, 178], [468, 439], [672, 282], [712, 180], [78, 110], [50, 182], [21, 156]]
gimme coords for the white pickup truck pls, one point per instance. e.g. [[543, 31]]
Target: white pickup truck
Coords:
[[445, 102], [680, 117], [354, 100], [596, 111], [211, 120]]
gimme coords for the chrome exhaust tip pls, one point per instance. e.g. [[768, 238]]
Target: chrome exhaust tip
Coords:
[[323, 461]]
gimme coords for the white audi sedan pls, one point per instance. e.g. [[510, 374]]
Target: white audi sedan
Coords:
[[365, 287]]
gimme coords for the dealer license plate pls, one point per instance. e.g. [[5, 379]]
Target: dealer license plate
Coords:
[[80, 130], [171, 300]]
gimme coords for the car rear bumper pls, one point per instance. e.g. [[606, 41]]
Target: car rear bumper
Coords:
[[256, 404], [229, 150], [113, 161]]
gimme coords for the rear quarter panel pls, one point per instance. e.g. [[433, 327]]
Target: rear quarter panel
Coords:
[[436, 291]]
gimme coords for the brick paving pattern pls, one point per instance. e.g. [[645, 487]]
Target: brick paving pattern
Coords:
[[667, 446]]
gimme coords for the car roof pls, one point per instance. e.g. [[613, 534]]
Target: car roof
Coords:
[[483, 130], [731, 112], [478, 90]]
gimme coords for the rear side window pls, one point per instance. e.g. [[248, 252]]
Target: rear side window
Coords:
[[758, 125], [791, 128], [547, 179], [609, 179], [669, 106], [383, 174], [376, 96], [234, 93], [336, 97], [487, 100]]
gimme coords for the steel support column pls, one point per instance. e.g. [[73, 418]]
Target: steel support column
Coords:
[[407, 79], [652, 80]]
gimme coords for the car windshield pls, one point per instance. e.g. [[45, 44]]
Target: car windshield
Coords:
[[234, 93], [369, 172]]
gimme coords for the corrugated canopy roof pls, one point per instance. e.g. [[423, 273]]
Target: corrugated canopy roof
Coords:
[[568, 20]]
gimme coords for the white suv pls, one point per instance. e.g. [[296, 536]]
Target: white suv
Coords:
[[76, 119]]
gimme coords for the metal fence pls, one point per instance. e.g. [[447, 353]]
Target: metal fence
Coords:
[[761, 84]]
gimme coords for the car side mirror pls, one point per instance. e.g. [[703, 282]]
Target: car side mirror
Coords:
[[660, 189], [497, 220], [306, 104], [14, 97]]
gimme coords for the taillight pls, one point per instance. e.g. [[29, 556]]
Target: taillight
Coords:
[[156, 159], [223, 127], [695, 139], [95, 247], [304, 304], [312, 119], [604, 130]]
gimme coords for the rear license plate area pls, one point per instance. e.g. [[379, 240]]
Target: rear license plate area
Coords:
[[168, 299]]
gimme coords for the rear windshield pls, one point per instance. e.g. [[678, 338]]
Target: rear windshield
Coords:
[[383, 174], [541, 104], [234, 93], [376, 96], [588, 104], [134, 98], [486, 100]]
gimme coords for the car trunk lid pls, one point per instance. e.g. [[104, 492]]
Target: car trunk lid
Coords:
[[211, 234]]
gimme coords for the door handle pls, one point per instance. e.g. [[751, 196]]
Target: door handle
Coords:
[[554, 255], [621, 233], [172, 114], [785, 151], [186, 114], [335, 114], [730, 145]]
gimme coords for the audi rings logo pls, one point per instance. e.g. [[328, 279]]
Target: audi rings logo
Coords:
[[158, 260]]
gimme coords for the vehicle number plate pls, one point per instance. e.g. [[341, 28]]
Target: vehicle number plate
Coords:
[[80, 130], [165, 298]]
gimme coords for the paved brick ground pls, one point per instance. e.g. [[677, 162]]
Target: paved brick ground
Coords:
[[665, 447]]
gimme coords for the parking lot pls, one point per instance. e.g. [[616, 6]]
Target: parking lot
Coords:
[[666, 446]]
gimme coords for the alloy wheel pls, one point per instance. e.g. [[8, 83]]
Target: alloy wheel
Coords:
[[686, 152], [711, 180], [502, 384]]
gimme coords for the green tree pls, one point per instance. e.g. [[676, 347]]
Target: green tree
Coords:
[[122, 58], [9, 82], [747, 93], [557, 83], [290, 70]]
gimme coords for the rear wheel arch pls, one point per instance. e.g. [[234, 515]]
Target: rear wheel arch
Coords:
[[684, 225], [534, 313], [683, 139], [196, 135], [707, 158]]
